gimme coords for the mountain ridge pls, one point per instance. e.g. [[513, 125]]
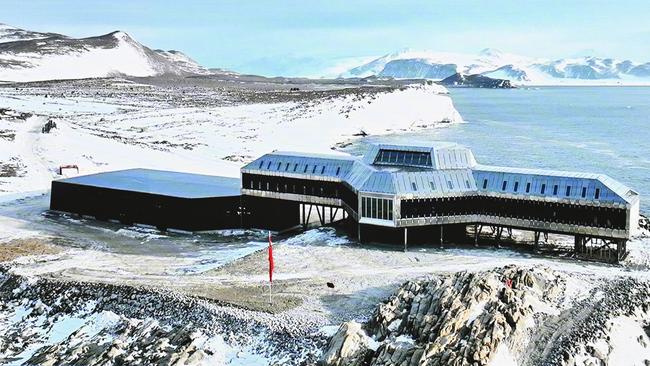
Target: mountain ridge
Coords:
[[34, 56], [490, 62]]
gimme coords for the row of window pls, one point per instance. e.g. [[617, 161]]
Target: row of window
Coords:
[[307, 187], [557, 212], [542, 190], [432, 185], [377, 208], [288, 167], [398, 157]]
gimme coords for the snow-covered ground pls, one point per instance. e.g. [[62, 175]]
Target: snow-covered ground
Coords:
[[119, 123], [101, 135]]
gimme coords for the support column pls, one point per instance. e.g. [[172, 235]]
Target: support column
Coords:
[[477, 232], [406, 239], [536, 245], [441, 236], [499, 232], [359, 232]]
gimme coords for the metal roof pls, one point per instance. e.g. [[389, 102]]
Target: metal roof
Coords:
[[160, 182], [442, 155], [452, 169]]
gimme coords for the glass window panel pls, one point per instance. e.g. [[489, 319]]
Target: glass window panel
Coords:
[[390, 209], [584, 192], [374, 208], [380, 209], [485, 183]]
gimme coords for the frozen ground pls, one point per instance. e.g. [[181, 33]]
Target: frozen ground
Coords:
[[130, 286]]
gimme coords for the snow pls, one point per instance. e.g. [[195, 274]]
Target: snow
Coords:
[[626, 347], [125, 58], [490, 62], [502, 357], [86, 129], [475, 311]]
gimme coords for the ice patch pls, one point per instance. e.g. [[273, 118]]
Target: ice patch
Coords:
[[502, 357]]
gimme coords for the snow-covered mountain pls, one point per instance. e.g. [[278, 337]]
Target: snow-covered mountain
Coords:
[[496, 64], [34, 56]]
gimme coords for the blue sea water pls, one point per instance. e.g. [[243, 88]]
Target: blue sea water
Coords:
[[594, 129]]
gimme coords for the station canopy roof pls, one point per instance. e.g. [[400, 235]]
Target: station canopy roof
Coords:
[[436, 169]]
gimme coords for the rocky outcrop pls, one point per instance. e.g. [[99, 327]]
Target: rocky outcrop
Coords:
[[49, 322], [451, 320], [476, 81], [350, 344]]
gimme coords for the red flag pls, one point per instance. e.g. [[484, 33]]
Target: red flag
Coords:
[[270, 259]]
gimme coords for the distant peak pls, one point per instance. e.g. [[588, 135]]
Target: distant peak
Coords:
[[491, 52], [120, 35]]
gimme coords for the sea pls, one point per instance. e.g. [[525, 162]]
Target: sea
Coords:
[[593, 129]]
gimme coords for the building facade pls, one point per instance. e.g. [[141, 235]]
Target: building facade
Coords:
[[442, 184]]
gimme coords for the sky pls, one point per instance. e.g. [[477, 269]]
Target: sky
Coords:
[[312, 38]]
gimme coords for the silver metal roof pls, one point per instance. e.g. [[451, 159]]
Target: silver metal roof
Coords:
[[452, 169], [161, 182]]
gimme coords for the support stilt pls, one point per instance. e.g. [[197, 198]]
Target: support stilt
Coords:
[[441, 236], [359, 233], [405, 239], [477, 232]]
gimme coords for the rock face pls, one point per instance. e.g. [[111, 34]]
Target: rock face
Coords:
[[450, 320], [350, 344], [476, 81]]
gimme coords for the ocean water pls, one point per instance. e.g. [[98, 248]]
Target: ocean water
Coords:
[[594, 129]]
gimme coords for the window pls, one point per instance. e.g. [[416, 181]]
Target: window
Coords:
[[286, 167], [584, 192], [516, 186], [415, 187], [363, 207], [268, 166], [313, 170], [543, 189], [504, 185], [279, 165], [484, 183], [568, 191], [528, 187], [374, 207], [377, 208], [322, 170], [467, 184], [433, 186], [306, 167], [338, 170], [450, 184], [597, 194], [261, 164], [403, 157], [251, 184], [295, 166], [555, 190]]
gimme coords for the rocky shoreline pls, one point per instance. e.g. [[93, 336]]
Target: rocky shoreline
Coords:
[[525, 316], [148, 326]]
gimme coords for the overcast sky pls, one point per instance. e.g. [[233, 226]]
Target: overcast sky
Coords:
[[305, 37]]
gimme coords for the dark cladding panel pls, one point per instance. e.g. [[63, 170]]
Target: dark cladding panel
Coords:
[[269, 213]]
